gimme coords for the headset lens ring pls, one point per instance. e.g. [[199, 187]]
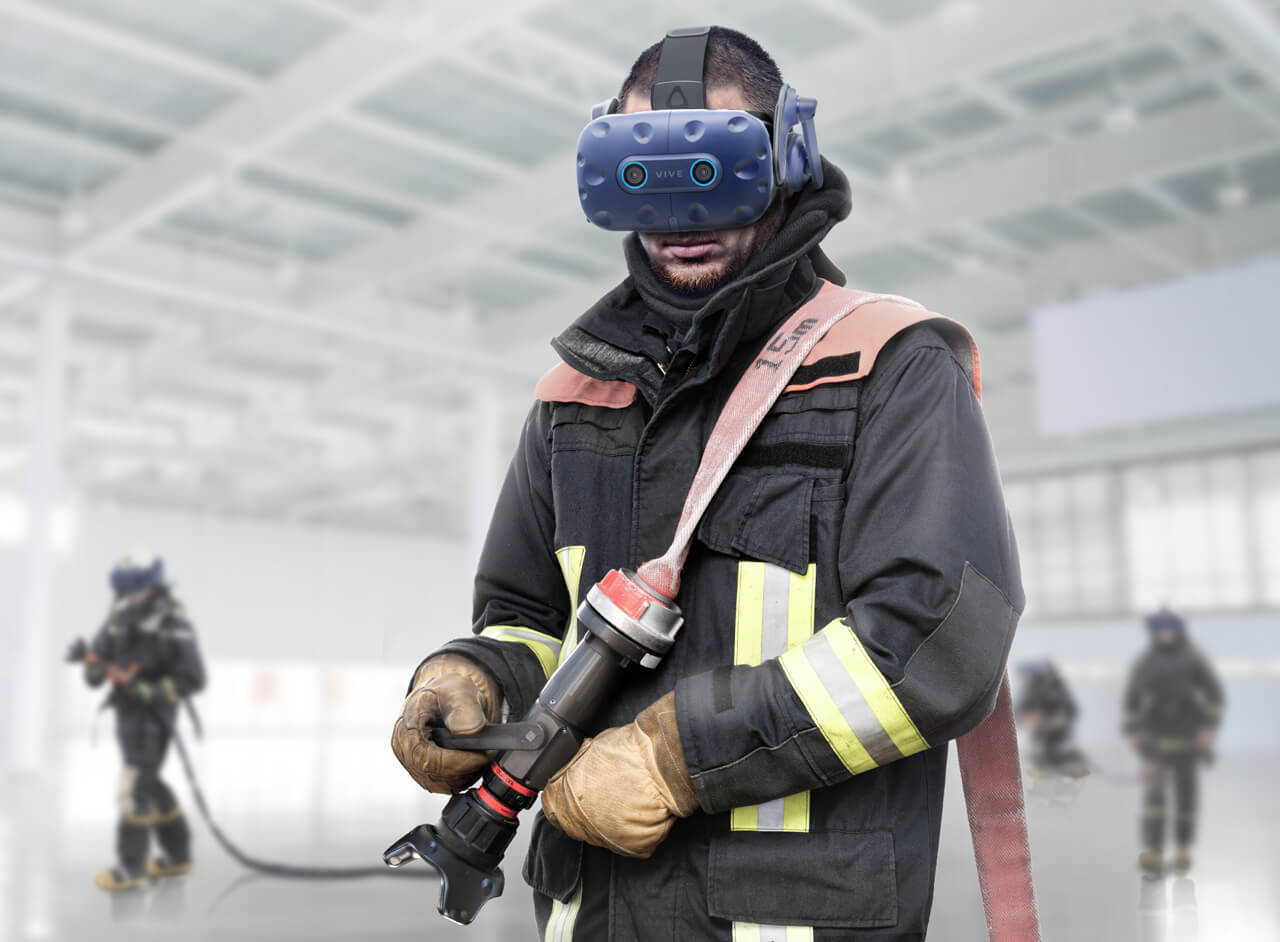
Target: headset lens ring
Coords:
[[634, 175], [703, 172]]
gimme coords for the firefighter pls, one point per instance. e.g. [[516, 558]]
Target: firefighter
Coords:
[[146, 654], [1046, 708], [850, 596], [1172, 708]]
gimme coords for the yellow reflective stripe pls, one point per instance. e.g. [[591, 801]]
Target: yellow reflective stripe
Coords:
[[825, 713], [571, 559], [801, 605], [563, 917], [167, 817], [746, 932], [795, 813], [767, 594], [745, 818], [545, 647], [875, 689], [748, 626], [851, 702]]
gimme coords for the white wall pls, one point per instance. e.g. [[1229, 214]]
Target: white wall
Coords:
[[1190, 347], [272, 591]]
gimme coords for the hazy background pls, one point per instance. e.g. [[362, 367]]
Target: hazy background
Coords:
[[276, 280]]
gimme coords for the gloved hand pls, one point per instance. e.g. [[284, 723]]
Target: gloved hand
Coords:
[[452, 691], [625, 788], [76, 651], [141, 690]]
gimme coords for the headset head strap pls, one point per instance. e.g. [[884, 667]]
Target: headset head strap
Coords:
[[678, 83]]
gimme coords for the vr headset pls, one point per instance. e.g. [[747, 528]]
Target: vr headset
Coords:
[[683, 167]]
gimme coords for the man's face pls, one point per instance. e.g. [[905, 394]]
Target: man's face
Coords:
[[131, 600], [696, 263]]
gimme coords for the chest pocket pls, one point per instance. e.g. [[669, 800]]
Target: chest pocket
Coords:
[[598, 429], [819, 424], [786, 489]]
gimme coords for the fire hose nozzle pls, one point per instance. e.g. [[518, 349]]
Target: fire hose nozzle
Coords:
[[464, 887], [625, 622]]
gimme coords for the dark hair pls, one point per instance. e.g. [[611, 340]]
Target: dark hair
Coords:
[[734, 60]]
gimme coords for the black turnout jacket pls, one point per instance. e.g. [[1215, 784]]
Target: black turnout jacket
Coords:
[[849, 600], [1046, 692], [153, 641], [1172, 694]]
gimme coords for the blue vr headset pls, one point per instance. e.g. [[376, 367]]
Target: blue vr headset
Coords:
[[683, 167]]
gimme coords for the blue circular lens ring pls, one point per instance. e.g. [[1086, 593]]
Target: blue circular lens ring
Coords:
[[715, 172], [622, 174]]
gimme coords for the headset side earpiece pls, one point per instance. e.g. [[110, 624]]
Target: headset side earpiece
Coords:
[[795, 156], [608, 106]]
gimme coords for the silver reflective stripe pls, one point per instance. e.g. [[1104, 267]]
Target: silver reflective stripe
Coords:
[[777, 600], [769, 815], [773, 641], [849, 700], [512, 633], [751, 932]]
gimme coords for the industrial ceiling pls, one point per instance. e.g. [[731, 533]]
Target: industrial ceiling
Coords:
[[305, 247]]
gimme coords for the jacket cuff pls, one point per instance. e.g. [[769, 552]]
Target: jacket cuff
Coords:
[[517, 670], [747, 738]]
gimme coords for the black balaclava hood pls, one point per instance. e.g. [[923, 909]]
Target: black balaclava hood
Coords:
[[614, 336], [812, 214]]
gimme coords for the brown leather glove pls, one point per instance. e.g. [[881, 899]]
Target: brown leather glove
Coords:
[[452, 691], [625, 788]]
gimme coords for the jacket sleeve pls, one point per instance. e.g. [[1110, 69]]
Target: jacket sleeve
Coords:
[[99, 655], [184, 664], [1132, 724], [1208, 692], [521, 603], [929, 573]]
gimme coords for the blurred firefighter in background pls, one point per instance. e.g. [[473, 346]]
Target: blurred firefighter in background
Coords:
[[146, 652], [1046, 708], [1172, 708]]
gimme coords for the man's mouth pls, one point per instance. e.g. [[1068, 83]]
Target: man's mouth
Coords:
[[691, 251]]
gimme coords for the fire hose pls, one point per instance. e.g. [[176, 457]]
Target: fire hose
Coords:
[[122, 677]]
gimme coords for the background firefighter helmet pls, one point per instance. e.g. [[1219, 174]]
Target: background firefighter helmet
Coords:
[[136, 571], [1166, 625]]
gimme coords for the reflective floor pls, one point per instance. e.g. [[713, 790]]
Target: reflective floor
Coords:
[[1084, 842]]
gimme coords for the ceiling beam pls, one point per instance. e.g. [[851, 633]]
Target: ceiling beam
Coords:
[[930, 54], [339, 71], [1178, 140]]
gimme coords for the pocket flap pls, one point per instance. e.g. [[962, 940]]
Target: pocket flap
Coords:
[[553, 865], [825, 878], [763, 516]]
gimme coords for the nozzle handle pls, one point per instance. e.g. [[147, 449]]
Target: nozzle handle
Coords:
[[518, 737]]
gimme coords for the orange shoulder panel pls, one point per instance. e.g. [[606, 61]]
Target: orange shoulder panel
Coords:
[[562, 383], [867, 330]]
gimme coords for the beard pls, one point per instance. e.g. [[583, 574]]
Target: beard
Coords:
[[700, 277]]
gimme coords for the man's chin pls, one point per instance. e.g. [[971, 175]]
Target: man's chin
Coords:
[[694, 280]]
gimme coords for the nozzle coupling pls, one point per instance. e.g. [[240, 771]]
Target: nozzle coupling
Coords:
[[638, 622]]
